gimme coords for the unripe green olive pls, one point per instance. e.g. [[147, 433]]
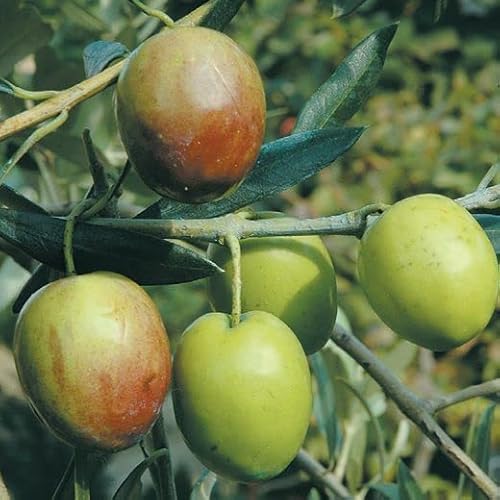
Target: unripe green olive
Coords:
[[190, 106], [242, 395], [291, 277], [429, 271], [93, 358]]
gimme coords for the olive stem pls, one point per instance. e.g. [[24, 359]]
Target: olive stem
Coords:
[[320, 475], [82, 486], [32, 95], [233, 243], [81, 91], [490, 388], [35, 137], [166, 477], [96, 168], [162, 16], [415, 408], [69, 230], [488, 177]]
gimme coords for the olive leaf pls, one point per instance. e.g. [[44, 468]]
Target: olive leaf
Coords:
[[131, 486], [10, 198], [491, 226], [408, 487], [388, 491], [347, 89], [22, 32], [100, 54], [202, 489], [219, 16], [342, 8], [280, 165], [145, 259]]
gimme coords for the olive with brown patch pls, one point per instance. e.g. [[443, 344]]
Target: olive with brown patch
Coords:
[[93, 358], [190, 107]]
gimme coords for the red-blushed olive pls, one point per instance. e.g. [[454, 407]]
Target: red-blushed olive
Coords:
[[93, 358], [291, 277], [429, 271], [190, 107], [242, 395]]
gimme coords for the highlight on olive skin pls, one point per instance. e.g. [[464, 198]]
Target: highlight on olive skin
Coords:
[[190, 107], [93, 357]]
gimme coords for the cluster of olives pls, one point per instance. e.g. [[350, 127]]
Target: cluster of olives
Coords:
[[92, 352]]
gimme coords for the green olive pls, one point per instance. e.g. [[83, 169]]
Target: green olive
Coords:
[[429, 271], [242, 395]]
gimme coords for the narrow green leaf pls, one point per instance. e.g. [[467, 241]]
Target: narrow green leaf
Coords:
[[491, 225], [10, 198], [82, 17], [281, 165], [325, 408], [357, 452], [203, 487], [145, 259], [344, 7], [100, 54], [482, 446], [131, 485], [347, 89], [388, 491], [408, 487], [219, 16], [22, 32], [314, 494]]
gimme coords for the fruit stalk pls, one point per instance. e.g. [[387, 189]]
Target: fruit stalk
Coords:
[[233, 243]]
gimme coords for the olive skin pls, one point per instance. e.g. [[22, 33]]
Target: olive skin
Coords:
[[430, 272], [242, 395], [291, 277], [93, 358], [190, 108]]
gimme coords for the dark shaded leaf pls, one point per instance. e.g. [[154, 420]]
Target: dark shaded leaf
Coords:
[[408, 487], [98, 55], [145, 259], [221, 14], [22, 32], [344, 7], [387, 491], [325, 413], [482, 446], [347, 89], [491, 225], [131, 488], [10, 198], [82, 17], [280, 165]]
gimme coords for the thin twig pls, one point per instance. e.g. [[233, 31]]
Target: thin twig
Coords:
[[414, 408], [490, 388], [320, 475]]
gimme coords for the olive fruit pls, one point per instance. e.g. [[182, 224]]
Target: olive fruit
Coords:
[[242, 394], [291, 277], [190, 107], [93, 358], [429, 271]]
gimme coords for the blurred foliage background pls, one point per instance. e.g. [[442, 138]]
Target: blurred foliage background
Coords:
[[434, 125]]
